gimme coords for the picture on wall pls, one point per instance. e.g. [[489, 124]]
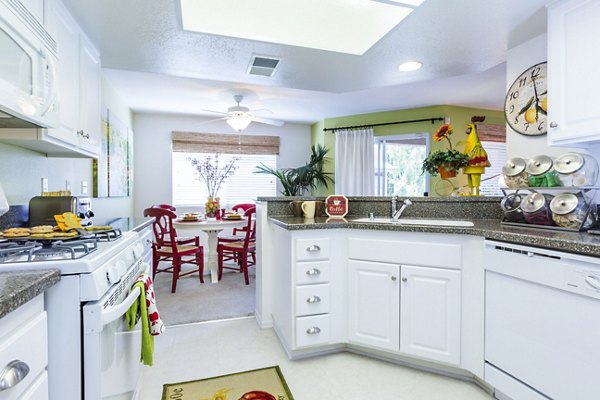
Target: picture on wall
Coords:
[[113, 172]]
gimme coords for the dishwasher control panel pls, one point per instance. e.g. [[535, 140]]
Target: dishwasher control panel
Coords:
[[584, 281]]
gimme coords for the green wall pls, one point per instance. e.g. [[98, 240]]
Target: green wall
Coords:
[[459, 118]]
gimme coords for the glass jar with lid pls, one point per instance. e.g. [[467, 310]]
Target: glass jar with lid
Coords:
[[541, 172], [536, 208], [570, 210], [515, 175], [511, 208], [576, 169]]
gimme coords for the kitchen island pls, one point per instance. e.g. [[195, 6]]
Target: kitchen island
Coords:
[[411, 294]]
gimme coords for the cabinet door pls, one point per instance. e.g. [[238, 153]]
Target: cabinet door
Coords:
[[373, 304], [573, 78], [430, 313], [66, 33], [89, 92]]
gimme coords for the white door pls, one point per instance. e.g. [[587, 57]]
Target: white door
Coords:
[[430, 313], [373, 304], [573, 79]]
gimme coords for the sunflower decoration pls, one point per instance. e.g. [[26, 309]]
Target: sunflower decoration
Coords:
[[443, 132], [444, 162]]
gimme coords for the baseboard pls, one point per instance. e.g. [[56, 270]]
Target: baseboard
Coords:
[[263, 323]]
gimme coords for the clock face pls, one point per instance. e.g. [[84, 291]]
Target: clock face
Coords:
[[526, 102]]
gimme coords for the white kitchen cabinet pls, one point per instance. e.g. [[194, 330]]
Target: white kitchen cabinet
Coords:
[[373, 304], [36, 8], [430, 313], [573, 79], [24, 344], [308, 286], [78, 83]]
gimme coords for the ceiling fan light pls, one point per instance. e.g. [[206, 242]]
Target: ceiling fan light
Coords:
[[239, 123]]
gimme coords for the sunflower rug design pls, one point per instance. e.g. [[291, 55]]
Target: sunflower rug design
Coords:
[[258, 384]]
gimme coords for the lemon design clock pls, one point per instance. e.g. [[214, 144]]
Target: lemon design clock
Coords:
[[526, 102]]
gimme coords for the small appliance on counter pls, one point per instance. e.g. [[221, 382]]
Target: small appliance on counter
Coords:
[[3, 202], [42, 209]]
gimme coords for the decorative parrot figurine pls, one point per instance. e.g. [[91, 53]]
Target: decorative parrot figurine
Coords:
[[478, 158]]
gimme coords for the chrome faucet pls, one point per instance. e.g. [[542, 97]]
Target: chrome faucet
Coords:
[[394, 205], [399, 212]]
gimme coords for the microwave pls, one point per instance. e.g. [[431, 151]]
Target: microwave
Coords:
[[28, 80]]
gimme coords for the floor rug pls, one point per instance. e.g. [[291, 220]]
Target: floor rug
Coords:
[[258, 384]]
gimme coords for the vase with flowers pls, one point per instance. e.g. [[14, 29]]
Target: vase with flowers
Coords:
[[446, 163], [213, 175]]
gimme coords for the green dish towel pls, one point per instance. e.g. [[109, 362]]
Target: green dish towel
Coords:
[[138, 310]]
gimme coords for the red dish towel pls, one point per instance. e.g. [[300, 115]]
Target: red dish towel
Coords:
[[156, 325]]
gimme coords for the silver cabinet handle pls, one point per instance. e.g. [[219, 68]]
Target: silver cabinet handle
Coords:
[[394, 278], [553, 124], [313, 299], [404, 279], [14, 372], [313, 271], [314, 330], [313, 248]]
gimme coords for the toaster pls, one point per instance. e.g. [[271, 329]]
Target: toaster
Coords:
[[42, 209]]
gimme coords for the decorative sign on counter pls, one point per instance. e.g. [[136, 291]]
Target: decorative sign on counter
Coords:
[[336, 206]]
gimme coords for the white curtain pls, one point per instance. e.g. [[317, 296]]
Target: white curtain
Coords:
[[354, 165]]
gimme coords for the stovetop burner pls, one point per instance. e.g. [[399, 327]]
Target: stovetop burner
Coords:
[[43, 250]]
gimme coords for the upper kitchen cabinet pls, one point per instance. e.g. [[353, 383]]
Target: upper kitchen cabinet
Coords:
[[573, 79], [78, 82], [36, 8]]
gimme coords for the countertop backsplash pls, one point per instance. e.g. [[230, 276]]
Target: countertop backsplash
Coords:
[[422, 207], [17, 215]]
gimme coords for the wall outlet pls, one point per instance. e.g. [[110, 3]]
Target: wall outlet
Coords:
[[84, 187], [44, 185]]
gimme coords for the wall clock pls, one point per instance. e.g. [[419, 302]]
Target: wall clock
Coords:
[[527, 101]]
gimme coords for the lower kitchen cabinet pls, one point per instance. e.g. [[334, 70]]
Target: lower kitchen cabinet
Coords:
[[373, 304], [430, 313]]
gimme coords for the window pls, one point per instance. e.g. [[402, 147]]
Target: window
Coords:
[[242, 187], [398, 165], [496, 152]]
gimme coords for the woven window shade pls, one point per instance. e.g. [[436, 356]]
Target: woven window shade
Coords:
[[195, 142], [491, 133]]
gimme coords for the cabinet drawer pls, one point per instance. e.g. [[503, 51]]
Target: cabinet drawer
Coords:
[[38, 389], [27, 344], [312, 299], [312, 249], [312, 272], [313, 331]]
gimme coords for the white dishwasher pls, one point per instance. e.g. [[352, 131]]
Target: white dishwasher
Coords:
[[542, 323]]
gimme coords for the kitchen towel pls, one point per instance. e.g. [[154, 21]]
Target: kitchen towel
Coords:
[[144, 308]]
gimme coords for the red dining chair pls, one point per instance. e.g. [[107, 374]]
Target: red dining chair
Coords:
[[168, 248], [238, 233], [240, 251], [165, 206]]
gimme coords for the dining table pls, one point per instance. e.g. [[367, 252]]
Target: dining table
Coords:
[[212, 228]]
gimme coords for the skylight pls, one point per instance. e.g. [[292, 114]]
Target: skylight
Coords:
[[345, 26]]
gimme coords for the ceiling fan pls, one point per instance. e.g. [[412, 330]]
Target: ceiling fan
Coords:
[[239, 117]]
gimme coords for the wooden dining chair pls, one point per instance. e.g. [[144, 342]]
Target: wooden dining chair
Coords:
[[238, 233], [165, 206], [240, 251], [168, 248]]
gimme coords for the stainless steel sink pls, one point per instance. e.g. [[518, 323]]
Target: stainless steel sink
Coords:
[[415, 221]]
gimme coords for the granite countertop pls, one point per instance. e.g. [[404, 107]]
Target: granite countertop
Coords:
[[18, 287], [571, 242]]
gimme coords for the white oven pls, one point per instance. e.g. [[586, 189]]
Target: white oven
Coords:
[[28, 80], [112, 368], [91, 354]]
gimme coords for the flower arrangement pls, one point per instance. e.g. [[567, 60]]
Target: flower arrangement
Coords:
[[213, 176], [450, 160]]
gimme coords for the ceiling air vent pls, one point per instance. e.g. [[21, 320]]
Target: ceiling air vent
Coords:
[[263, 66]]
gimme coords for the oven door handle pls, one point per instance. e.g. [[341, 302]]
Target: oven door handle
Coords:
[[113, 313]]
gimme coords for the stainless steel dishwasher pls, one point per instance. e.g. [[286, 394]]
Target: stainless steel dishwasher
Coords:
[[542, 323]]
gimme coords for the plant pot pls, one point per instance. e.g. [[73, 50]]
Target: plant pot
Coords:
[[446, 172]]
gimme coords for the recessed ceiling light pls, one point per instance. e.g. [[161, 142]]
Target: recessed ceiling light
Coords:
[[351, 27], [410, 66]]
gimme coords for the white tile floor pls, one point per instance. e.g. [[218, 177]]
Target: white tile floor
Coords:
[[202, 350]]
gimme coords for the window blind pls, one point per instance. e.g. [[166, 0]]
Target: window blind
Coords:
[[196, 142], [491, 133]]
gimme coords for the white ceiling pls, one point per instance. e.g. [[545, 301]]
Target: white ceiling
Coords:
[[158, 67]]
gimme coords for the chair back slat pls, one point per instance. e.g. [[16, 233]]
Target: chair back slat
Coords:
[[250, 228], [165, 206], [164, 232]]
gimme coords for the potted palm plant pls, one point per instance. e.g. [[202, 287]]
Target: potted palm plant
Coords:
[[446, 163], [296, 181]]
